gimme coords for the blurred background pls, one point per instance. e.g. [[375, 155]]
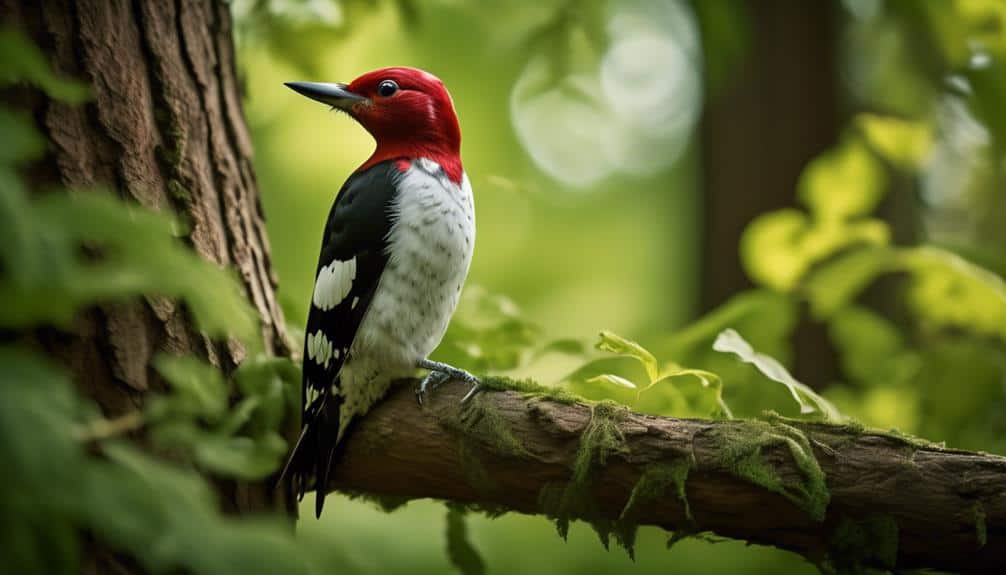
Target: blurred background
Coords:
[[825, 177]]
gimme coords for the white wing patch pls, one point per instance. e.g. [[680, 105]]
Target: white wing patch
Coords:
[[319, 348], [333, 283]]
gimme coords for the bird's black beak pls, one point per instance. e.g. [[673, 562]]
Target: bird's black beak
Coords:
[[335, 95]]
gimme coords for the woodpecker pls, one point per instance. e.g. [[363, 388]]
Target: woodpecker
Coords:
[[394, 256]]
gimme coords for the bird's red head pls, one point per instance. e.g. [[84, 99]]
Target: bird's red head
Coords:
[[407, 110]]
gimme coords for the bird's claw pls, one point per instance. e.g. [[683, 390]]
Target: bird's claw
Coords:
[[430, 383], [440, 373], [472, 392]]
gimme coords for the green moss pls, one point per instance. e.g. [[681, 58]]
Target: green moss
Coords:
[[477, 476], [741, 447], [600, 439], [481, 420], [386, 503], [857, 544], [651, 487], [179, 192], [981, 524], [849, 431], [479, 425], [462, 554], [531, 388]]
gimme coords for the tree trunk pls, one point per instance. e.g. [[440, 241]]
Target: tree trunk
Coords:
[[777, 109], [164, 129]]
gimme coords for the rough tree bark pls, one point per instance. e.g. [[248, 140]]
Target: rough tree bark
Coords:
[[891, 498], [165, 129]]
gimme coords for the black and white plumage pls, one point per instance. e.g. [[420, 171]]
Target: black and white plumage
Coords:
[[396, 251]]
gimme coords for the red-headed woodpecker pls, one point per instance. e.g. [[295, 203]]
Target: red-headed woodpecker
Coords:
[[394, 255]]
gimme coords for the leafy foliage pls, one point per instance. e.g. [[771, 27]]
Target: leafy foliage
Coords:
[[240, 441], [730, 341], [704, 401], [72, 480]]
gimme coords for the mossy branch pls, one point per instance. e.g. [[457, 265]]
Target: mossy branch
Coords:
[[840, 495]]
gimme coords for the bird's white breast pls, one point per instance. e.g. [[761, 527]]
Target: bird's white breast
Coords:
[[430, 248]]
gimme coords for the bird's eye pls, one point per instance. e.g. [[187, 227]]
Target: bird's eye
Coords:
[[387, 88]]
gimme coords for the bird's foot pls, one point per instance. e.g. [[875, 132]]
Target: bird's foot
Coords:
[[441, 372], [430, 383]]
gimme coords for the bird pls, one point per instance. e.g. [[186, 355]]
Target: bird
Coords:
[[395, 254]]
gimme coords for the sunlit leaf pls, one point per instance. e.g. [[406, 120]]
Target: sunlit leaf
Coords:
[[729, 341], [615, 343], [842, 183], [711, 382], [904, 143], [613, 380], [948, 291], [770, 249], [780, 247]]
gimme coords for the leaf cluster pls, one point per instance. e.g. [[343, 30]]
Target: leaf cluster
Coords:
[[73, 479]]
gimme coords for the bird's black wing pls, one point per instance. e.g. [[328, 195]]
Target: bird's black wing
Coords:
[[353, 252]]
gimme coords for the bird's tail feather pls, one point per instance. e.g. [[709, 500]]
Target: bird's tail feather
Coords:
[[327, 434], [310, 463]]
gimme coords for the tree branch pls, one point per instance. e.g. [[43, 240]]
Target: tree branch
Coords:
[[890, 501]]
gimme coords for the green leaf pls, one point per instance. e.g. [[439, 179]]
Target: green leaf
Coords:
[[834, 285], [23, 62], [771, 248], [948, 291], [241, 457], [460, 550], [729, 341], [488, 333], [905, 143], [198, 388], [779, 248], [139, 255], [274, 384], [872, 349], [39, 416], [613, 380], [712, 384], [615, 343], [842, 183], [167, 519], [21, 142]]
